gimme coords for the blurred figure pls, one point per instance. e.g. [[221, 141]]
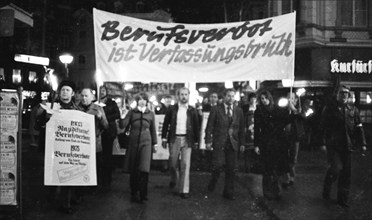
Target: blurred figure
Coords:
[[249, 131], [142, 143], [101, 124], [271, 142], [341, 129], [112, 113], [165, 106], [213, 99], [225, 132], [307, 122], [34, 134], [181, 131], [296, 134], [163, 110]]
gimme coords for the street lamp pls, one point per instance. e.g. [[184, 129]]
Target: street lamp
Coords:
[[66, 59]]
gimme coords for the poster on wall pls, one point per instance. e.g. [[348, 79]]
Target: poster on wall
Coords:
[[70, 152], [161, 153], [9, 109]]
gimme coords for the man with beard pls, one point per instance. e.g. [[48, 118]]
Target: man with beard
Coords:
[[181, 132], [341, 129]]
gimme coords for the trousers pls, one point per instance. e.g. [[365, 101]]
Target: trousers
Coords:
[[180, 170], [224, 157], [339, 169]]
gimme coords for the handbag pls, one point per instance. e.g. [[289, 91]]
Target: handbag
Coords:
[[124, 137]]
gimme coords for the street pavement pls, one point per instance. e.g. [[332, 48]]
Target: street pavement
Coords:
[[300, 201]]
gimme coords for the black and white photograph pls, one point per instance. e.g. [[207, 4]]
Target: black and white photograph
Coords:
[[186, 109]]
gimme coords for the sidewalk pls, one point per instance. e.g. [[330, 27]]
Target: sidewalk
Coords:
[[301, 201], [115, 204], [304, 201]]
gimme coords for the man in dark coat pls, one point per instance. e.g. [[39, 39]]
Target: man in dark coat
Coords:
[[108, 136], [181, 132], [66, 91], [100, 122], [225, 132], [341, 130]]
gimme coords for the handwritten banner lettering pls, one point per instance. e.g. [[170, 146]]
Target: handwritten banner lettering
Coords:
[[129, 49]]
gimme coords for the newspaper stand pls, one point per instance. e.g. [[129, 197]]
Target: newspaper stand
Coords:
[[11, 102]]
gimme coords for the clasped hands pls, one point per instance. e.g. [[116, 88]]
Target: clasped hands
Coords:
[[164, 144], [208, 146]]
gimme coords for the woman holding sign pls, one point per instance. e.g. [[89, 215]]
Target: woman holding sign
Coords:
[[142, 142]]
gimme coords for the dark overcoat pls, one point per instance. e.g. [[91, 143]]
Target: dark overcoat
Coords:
[[192, 125], [271, 136], [341, 127], [218, 128], [141, 139]]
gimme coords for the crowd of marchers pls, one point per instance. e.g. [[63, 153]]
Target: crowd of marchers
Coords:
[[260, 127]]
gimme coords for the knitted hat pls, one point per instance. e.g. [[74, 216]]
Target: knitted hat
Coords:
[[344, 88], [67, 83]]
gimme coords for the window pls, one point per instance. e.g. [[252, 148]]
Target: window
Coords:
[[280, 7], [366, 116], [365, 105], [366, 98], [354, 12], [32, 76], [16, 77], [82, 35], [81, 59], [2, 74]]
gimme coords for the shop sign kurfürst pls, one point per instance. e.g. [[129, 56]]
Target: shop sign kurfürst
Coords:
[[355, 66]]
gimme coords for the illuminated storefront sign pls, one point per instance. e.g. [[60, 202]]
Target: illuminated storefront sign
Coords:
[[31, 59], [355, 66]]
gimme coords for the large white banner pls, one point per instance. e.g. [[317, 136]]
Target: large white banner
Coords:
[[129, 49], [70, 149]]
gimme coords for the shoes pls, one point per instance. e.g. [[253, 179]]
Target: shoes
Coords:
[[285, 185], [211, 186], [184, 195], [272, 197], [67, 210], [77, 201], [172, 185], [229, 197], [326, 196], [134, 198], [343, 204]]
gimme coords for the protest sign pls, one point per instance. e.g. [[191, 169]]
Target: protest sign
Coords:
[[70, 149], [130, 49]]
